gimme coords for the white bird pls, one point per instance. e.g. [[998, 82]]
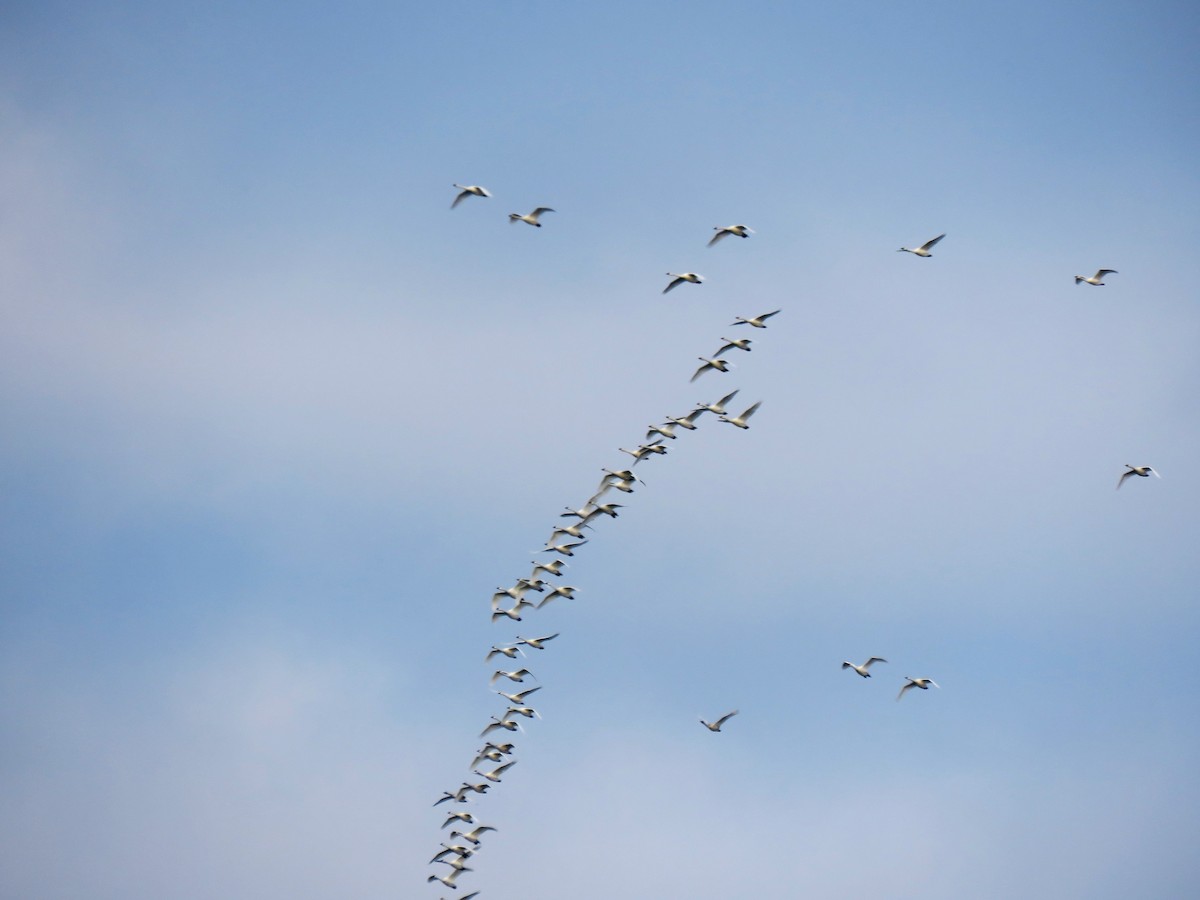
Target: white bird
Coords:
[[717, 408], [716, 726], [690, 277], [737, 230], [862, 670], [495, 774], [923, 250], [757, 321], [922, 683], [458, 849], [519, 698], [477, 788], [741, 421], [506, 723], [527, 711], [554, 567], [458, 865], [531, 219], [518, 676], [731, 344], [644, 451], [1143, 471], [564, 549], [468, 190], [448, 880], [519, 590], [1098, 278], [514, 613], [486, 754], [564, 591], [575, 531], [510, 651], [721, 365], [538, 643], [473, 834], [459, 817], [459, 796], [687, 423]]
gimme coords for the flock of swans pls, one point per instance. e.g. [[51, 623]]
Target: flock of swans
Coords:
[[492, 761]]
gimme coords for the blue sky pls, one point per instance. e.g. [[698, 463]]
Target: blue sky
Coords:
[[278, 422]]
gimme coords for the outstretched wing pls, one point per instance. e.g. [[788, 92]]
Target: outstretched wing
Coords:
[[929, 244]]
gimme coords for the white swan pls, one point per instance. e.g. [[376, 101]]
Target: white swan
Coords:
[[1143, 471], [721, 365], [737, 230], [716, 726], [1098, 278], [742, 420], [690, 277], [922, 683], [862, 670], [468, 190], [531, 219], [757, 321], [924, 249]]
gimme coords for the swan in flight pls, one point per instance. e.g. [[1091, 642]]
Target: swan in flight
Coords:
[[737, 230], [591, 510], [924, 249], [494, 775], [531, 219], [458, 849], [717, 408], [688, 422], [721, 365], [538, 643], [716, 726], [1143, 471], [510, 651], [862, 670], [564, 549], [741, 421], [514, 613], [458, 865], [468, 190], [565, 591], [644, 451], [518, 698], [448, 880], [517, 676], [1098, 278], [473, 834], [690, 277], [554, 568], [731, 344], [922, 683], [506, 723], [464, 817], [757, 321], [575, 531]]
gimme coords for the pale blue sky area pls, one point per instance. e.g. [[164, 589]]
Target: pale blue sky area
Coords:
[[277, 422]]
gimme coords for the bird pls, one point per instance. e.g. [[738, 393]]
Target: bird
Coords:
[[554, 567], [531, 219], [510, 651], [518, 676], [520, 697], [514, 613], [485, 753], [565, 591], [527, 711], [923, 250], [717, 408], [1143, 471], [506, 723], [716, 726], [564, 549], [922, 683], [1098, 278], [738, 230], [721, 365], [757, 321], [448, 880], [458, 796], [621, 479], [666, 430], [575, 531], [458, 849], [495, 774], [687, 422], [731, 344], [538, 643], [518, 590], [456, 864], [862, 670], [473, 834], [468, 190], [459, 817], [690, 277], [644, 451], [740, 421]]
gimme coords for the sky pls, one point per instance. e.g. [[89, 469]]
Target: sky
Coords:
[[277, 422]]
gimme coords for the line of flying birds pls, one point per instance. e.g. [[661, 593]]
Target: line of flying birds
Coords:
[[499, 756]]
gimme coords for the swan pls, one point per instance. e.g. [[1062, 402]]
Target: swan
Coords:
[[862, 670], [459, 817], [531, 219], [448, 880], [740, 421], [716, 726], [468, 190], [922, 683], [688, 422], [1143, 471], [923, 250], [690, 277], [554, 568], [717, 408], [757, 321], [518, 676], [510, 651], [473, 834], [1098, 278], [721, 365], [494, 775], [731, 344], [565, 591], [518, 698], [737, 230]]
